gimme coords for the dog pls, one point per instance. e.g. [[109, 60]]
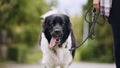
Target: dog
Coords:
[[56, 40]]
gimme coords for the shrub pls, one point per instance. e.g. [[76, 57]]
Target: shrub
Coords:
[[95, 52]]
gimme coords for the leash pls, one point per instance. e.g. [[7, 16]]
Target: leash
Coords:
[[95, 16]]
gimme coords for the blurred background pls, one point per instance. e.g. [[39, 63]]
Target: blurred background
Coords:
[[20, 26]]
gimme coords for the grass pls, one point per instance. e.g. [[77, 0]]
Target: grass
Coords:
[[33, 57]]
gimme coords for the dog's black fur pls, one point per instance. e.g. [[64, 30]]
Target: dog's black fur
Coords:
[[58, 25]]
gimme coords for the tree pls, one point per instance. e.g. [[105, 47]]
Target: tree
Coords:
[[20, 20]]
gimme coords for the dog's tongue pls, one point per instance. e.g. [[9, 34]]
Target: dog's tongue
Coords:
[[52, 42]]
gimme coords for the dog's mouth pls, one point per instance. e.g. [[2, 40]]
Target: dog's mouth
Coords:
[[55, 40]]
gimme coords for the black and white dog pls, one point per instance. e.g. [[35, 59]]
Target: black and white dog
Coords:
[[56, 40]]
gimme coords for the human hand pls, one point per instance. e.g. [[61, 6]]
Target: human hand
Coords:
[[96, 4]]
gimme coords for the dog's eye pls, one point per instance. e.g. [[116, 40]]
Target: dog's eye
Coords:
[[52, 25], [63, 23]]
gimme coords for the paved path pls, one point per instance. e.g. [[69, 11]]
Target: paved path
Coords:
[[91, 65], [74, 65]]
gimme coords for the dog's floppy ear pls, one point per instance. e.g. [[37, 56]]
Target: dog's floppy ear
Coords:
[[45, 23], [67, 19]]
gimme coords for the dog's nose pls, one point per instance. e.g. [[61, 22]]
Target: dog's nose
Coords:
[[57, 31]]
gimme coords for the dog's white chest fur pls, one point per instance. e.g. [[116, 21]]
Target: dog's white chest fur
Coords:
[[58, 55]]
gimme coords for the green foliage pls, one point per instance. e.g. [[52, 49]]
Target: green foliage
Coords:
[[21, 11], [95, 52], [21, 21], [77, 25], [22, 54], [33, 57], [89, 3], [91, 51], [28, 35], [17, 52]]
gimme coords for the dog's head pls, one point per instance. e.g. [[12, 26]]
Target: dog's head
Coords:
[[56, 28]]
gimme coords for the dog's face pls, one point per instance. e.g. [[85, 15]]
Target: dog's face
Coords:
[[56, 28]]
